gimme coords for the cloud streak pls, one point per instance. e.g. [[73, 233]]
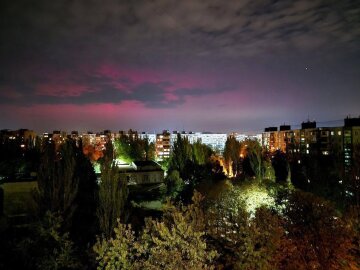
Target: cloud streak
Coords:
[[96, 90]]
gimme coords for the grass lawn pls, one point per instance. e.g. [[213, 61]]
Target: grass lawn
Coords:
[[18, 197], [151, 205]]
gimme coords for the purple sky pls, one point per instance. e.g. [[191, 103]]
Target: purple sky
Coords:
[[194, 65]]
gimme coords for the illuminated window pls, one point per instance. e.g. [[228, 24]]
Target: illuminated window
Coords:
[[339, 133], [332, 133], [307, 151]]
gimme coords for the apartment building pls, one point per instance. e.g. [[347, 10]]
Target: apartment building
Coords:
[[339, 142], [163, 145]]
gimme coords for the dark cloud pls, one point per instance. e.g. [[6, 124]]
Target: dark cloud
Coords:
[[106, 29]]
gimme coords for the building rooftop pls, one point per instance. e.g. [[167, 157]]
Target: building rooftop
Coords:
[[147, 166]]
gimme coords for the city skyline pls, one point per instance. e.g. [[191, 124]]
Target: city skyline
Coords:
[[149, 66]]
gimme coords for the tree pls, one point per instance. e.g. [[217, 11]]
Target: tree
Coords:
[[85, 223], [149, 148], [201, 152], [57, 182], [118, 252], [352, 218], [123, 151], [193, 163], [263, 241], [174, 183], [267, 168], [232, 156], [113, 194], [176, 242], [181, 155], [92, 153], [254, 154], [47, 247], [130, 148], [322, 238], [247, 237], [67, 185], [281, 166], [216, 169]]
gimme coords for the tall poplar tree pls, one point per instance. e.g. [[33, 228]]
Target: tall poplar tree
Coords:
[[67, 186], [113, 193]]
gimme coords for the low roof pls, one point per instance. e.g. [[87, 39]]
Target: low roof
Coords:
[[140, 166], [148, 165]]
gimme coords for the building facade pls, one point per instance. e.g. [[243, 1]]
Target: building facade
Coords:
[[141, 173], [163, 145], [339, 142]]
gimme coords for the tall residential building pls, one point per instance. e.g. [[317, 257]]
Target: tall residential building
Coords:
[[216, 141], [339, 142], [163, 145], [270, 139]]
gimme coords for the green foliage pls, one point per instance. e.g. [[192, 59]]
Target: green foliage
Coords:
[[165, 163], [18, 198], [118, 252], [47, 247], [123, 149], [189, 165], [268, 170], [304, 233], [181, 155], [149, 148], [247, 238], [201, 152], [131, 148], [248, 197], [176, 242], [174, 183]]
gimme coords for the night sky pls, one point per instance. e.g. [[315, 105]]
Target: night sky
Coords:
[[194, 65]]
